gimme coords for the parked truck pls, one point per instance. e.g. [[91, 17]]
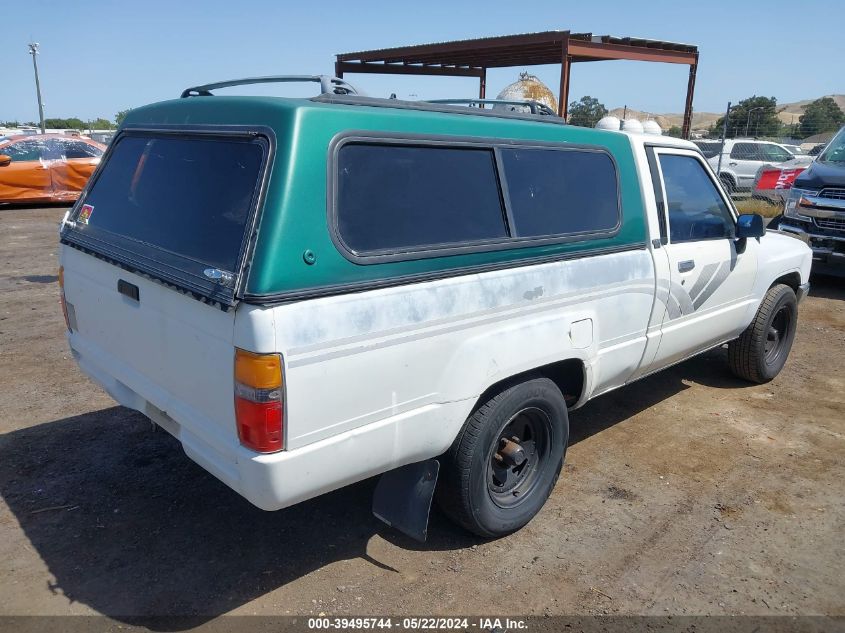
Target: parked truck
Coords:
[[815, 207], [310, 292]]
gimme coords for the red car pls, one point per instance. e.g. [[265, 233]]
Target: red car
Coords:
[[46, 168]]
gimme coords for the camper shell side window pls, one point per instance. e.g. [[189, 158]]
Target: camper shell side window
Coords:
[[404, 198]]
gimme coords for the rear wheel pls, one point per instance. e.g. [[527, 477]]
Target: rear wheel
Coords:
[[504, 464], [728, 184], [760, 352]]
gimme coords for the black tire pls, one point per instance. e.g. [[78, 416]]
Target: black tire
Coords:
[[760, 352], [487, 485], [728, 184]]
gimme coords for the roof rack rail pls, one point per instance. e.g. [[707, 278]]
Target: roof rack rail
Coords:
[[328, 84], [446, 108], [535, 107]]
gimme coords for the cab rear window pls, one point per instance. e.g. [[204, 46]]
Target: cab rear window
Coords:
[[192, 196]]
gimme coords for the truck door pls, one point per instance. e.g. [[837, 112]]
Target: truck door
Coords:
[[711, 275]]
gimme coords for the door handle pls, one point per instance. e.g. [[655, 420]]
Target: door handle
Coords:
[[732, 164], [686, 266], [128, 290]]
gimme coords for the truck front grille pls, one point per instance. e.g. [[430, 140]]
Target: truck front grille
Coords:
[[837, 193], [830, 223]]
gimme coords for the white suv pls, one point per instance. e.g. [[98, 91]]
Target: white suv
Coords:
[[741, 158]]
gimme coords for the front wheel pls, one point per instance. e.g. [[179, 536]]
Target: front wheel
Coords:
[[504, 464], [760, 352]]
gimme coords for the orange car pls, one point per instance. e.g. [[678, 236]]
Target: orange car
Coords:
[[46, 168]]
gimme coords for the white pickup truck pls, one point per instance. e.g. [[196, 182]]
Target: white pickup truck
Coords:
[[310, 292]]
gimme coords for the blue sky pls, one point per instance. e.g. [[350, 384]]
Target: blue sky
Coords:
[[101, 56]]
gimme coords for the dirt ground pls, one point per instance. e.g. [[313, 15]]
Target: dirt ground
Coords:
[[689, 492]]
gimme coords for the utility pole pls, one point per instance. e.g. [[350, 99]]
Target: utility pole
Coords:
[[724, 134], [748, 119], [33, 50]]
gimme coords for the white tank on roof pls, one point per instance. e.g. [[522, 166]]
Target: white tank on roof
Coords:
[[608, 123], [632, 125], [526, 88], [651, 127]]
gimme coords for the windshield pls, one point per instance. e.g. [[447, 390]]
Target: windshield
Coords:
[[835, 150]]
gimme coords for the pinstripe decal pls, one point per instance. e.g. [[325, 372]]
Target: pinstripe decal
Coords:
[[718, 279], [679, 302], [672, 307], [682, 297], [705, 276]]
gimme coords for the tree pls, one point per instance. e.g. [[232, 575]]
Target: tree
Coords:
[[101, 124], [755, 116], [822, 115], [73, 123], [586, 112], [118, 118], [674, 131]]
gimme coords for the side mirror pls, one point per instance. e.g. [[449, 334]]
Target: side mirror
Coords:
[[5, 160], [750, 225]]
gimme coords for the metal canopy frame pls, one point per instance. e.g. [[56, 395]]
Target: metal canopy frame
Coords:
[[472, 58]]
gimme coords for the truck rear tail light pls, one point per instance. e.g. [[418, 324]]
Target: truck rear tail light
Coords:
[[259, 401]]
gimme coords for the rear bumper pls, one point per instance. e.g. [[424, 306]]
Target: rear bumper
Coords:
[[277, 480]]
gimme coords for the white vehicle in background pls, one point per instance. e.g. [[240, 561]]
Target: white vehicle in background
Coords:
[[794, 149], [742, 158]]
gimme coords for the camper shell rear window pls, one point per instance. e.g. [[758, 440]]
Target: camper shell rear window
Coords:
[[179, 206]]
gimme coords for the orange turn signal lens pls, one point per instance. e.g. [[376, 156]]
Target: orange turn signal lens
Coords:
[[262, 371]]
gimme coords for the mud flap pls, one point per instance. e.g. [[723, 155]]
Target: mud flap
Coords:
[[402, 498]]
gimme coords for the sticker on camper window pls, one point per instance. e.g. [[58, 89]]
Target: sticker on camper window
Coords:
[[85, 213]]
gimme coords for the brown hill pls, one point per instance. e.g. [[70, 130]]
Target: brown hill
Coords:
[[787, 112]]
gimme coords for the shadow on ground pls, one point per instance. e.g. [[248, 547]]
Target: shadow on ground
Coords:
[[828, 286], [149, 532]]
